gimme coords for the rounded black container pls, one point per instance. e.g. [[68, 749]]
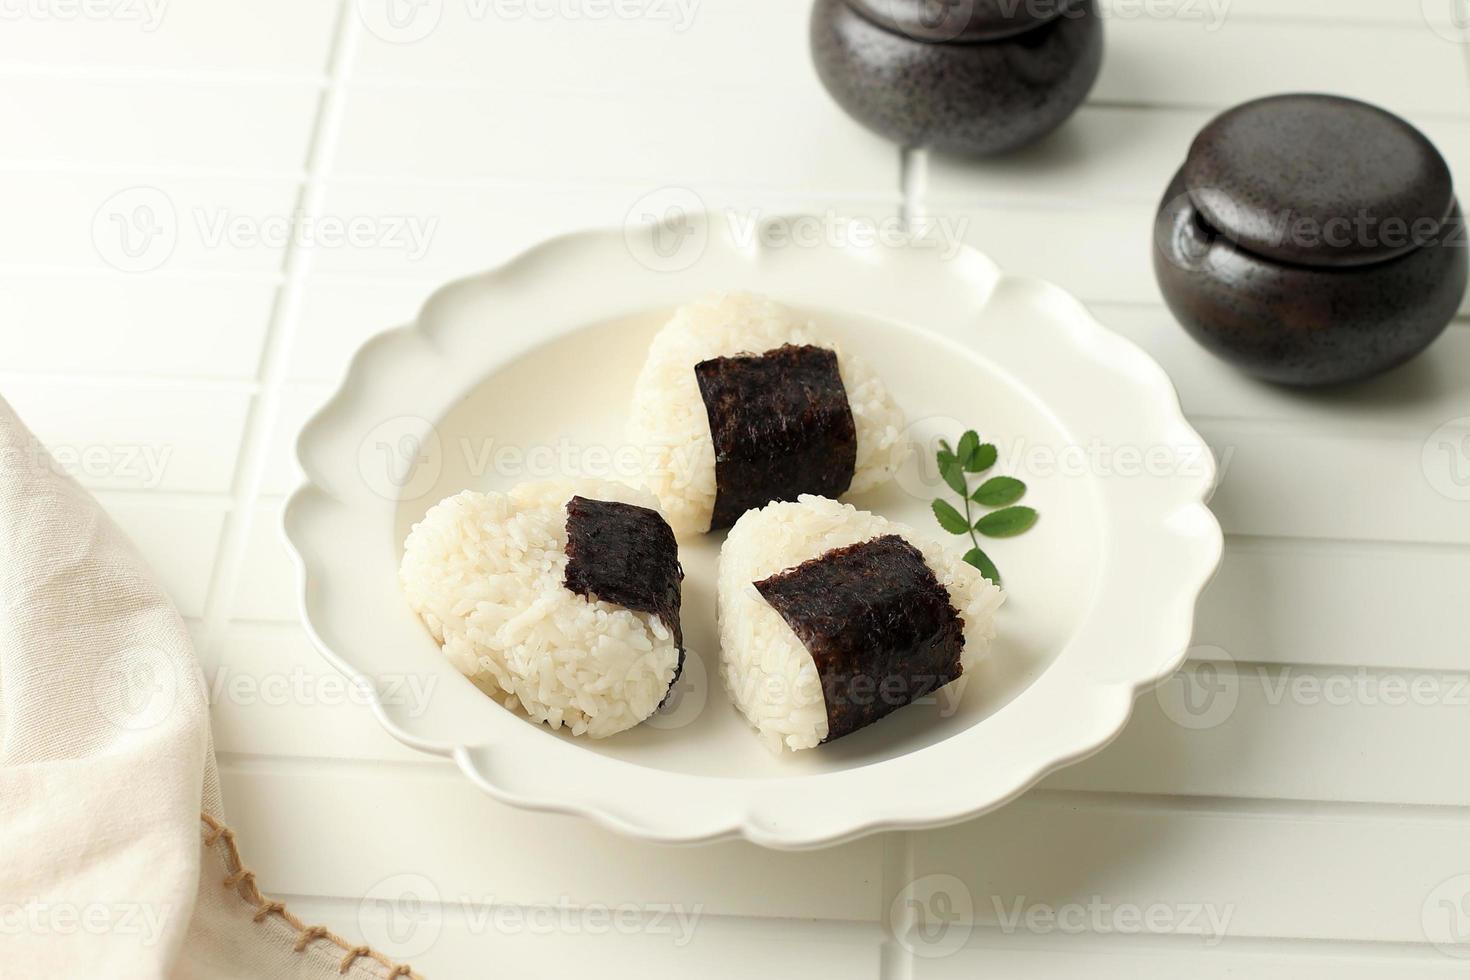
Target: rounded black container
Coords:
[[1312, 240], [975, 77]]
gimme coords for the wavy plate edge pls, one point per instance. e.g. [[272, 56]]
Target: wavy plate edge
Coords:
[[1110, 706]]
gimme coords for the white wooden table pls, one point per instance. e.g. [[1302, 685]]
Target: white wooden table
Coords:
[[1303, 787]]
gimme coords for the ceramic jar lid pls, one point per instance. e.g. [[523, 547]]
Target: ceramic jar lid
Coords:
[[1319, 180], [962, 20]]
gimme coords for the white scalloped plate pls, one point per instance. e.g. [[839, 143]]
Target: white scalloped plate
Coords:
[[526, 371]]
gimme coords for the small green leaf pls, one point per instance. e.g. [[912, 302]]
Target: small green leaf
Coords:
[[999, 491], [950, 519], [1006, 523], [982, 459], [946, 447], [969, 442], [946, 458], [982, 561], [954, 475]]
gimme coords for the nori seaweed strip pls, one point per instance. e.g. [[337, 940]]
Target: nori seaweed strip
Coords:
[[781, 426], [880, 628], [626, 555]]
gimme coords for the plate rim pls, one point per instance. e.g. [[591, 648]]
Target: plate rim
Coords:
[[1112, 702]]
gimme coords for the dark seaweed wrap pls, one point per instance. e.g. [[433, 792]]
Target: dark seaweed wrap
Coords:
[[781, 426], [626, 555], [880, 628]]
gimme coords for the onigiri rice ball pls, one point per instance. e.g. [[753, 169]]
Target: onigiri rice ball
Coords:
[[670, 421], [488, 573], [872, 615]]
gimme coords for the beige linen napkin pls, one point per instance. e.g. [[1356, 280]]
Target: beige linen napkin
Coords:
[[115, 860]]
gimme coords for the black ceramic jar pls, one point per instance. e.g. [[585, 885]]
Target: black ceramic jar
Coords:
[[1312, 240], [975, 77]]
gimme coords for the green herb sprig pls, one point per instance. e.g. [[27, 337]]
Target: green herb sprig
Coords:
[[955, 467]]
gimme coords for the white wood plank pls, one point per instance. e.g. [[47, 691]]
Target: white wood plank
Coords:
[[687, 137], [178, 540], [1206, 56], [1328, 604], [200, 35], [143, 222], [461, 938], [127, 123], [150, 326], [991, 952], [1298, 872], [340, 314], [352, 826], [266, 589], [1267, 732], [1285, 483], [121, 436], [271, 693]]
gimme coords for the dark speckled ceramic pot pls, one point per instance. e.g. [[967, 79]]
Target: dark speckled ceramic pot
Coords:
[[1311, 240], [975, 77]]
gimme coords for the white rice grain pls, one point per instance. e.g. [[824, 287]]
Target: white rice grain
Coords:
[[766, 668], [668, 419], [485, 573]]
